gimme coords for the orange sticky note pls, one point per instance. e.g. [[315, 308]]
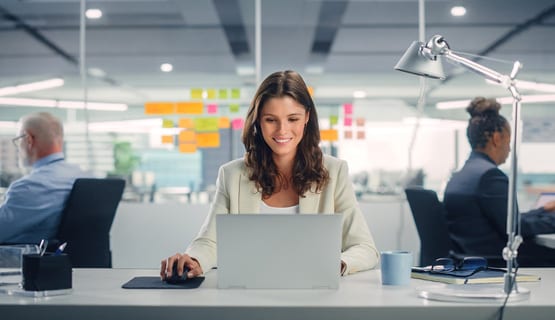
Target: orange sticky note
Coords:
[[360, 122], [189, 107], [329, 135], [167, 139], [159, 108], [186, 123], [187, 148], [224, 123], [348, 134], [208, 140], [361, 135], [187, 136]]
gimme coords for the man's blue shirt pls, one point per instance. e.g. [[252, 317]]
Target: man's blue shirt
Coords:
[[33, 205]]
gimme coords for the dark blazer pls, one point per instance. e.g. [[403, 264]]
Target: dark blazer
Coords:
[[476, 203]]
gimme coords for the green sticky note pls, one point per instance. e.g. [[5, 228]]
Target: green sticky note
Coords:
[[206, 124], [222, 94], [235, 93], [234, 107], [334, 120]]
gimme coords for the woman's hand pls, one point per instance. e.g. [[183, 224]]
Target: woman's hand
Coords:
[[183, 261], [550, 206]]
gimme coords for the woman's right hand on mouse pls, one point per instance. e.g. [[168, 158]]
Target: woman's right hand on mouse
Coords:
[[182, 260]]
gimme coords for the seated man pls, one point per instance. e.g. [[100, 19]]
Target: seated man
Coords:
[[33, 205], [476, 196]]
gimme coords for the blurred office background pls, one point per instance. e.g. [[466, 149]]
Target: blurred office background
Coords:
[[168, 82]]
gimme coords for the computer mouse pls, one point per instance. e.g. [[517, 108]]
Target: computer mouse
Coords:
[[175, 278]]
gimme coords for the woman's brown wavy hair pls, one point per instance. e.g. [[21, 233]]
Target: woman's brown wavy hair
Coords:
[[308, 171]]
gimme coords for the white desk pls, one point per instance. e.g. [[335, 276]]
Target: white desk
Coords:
[[97, 294], [546, 240]]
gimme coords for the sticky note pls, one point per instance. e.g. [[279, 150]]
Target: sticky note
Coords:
[[329, 135], [347, 121], [167, 123], [361, 135], [348, 108], [224, 123], [234, 107], [159, 108], [211, 94], [167, 139], [186, 123], [208, 140], [222, 94], [348, 134], [237, 124], [333, 120], [189, 107], [196, 93], [188, 148], [187, 136], [206, 124], [235, 93], [360, 122], [212, 108]]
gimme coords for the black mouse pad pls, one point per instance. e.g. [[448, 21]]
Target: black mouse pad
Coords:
[[157, 283]]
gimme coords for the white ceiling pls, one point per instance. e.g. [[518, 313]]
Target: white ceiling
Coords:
[[209, 41]]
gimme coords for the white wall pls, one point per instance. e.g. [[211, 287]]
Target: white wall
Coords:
[[145, 233]]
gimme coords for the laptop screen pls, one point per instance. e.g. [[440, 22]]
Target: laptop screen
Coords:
[[286, 251], [544, 198]]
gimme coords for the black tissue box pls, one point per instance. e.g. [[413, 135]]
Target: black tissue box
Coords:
[[46, 272]]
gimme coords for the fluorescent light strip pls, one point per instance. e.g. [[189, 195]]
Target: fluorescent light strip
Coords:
[[65, 104], [459, 104], [127, 126], [33, 86]]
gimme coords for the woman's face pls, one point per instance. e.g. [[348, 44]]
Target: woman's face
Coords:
[[282, 121], [505, 144]]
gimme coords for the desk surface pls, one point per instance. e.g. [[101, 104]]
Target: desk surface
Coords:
[[97, 294]]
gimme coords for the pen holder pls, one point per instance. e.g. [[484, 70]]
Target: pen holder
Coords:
[[46, 272]]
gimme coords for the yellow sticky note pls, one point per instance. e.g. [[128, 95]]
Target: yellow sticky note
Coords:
[[211, 93], [159, 108], [187, 148], [186, 123], [196, 93], [167, 123], [206, 124], [167, 139], [187, 136], [189, 107], [208, 140], [224, 123], [329, 135]]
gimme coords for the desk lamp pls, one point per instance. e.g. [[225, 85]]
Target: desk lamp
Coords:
[[422, 59]]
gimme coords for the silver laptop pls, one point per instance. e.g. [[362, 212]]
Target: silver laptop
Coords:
[[279, 251]]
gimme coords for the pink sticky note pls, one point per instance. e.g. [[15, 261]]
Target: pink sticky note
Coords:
[[347, 122], [348, 108], [237, 124], [212, 108]]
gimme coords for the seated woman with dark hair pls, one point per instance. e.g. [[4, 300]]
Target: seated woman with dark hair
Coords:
[[476, 197]]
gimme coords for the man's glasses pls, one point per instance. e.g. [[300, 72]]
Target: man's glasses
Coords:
[[462, 268], [15, 140]]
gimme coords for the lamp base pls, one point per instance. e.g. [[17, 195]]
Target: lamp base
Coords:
[[474, 293]]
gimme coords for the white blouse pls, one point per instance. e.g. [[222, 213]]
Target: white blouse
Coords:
[[275, 210]]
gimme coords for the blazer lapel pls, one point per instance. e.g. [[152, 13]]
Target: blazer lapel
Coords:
[[309, 204], [249, 197]]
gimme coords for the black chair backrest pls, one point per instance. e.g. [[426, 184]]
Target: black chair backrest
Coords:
[[87, 219], [429, 216]]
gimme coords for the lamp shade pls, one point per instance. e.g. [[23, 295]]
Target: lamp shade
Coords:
[[413, 61]]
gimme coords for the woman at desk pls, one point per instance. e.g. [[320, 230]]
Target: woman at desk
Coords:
[[476, 196], [283, 171]]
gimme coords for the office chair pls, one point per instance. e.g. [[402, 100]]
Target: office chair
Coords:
[[86, 221], [429, 216]]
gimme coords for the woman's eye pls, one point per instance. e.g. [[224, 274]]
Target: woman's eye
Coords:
[[294, 119]]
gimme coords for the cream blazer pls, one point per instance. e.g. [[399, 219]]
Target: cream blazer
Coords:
[[236, 194]]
